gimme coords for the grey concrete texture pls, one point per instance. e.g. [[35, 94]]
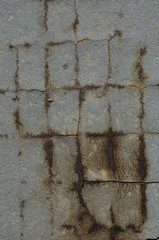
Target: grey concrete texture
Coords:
[[79, 120]]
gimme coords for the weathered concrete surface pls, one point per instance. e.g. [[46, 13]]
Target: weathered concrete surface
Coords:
[[79, 120]]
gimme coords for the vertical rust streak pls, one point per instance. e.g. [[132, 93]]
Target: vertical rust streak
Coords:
[[17, 71], [74, 25], [47, 76], [110, 151], [48, 149], [142, 158], [22, 206], [46, 9], [143, 202]]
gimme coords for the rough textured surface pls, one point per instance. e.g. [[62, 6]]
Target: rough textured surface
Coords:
[[79, 120]]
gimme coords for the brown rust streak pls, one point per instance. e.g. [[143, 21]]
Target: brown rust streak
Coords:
[[143, 202], [141, 76], [48, 149], [17, 120]]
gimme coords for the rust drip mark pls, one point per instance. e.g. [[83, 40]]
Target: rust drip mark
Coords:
[[47, 102], [48, 149], [142, 112], [117, 33], [17, 120], [22, 205], [143, 202], [11, 47], [141, 76], [133, 228], [17, 72], [76, 21], [142, 158], [46, 9], [46, 72]]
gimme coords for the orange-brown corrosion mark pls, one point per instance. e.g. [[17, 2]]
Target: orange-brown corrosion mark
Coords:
[[17, 120], [48, 149], [141, 75]]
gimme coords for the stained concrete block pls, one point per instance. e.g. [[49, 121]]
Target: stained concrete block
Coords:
[[61, 61], [94, 112], [61, 18], [7, 116], [7, 75], [21, 21], [107, 157], [93, 62], [151, 109], [31, 67], [32, 115], [63, 112], [121, 100]]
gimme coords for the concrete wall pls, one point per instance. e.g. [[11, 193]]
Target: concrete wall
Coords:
[[79, 119]]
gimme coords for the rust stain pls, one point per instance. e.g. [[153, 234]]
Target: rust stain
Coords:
[[139, 70], [17, 120]]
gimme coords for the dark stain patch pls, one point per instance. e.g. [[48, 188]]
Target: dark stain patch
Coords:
[[4, 136], [133, 228], [118, 33], [17, 120], [19, 153], [16, 98], [114, 231], [3, 91], [27, 45], [118, 86], [141, 75], [142, 170], [11, 47], [48, 149], [143, 202], [95, 227]]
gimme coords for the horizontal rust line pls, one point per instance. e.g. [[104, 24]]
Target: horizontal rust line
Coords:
[[119, 181], [44, 135], [71, 88]]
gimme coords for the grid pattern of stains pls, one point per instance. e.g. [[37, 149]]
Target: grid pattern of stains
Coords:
[[86, 137]]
